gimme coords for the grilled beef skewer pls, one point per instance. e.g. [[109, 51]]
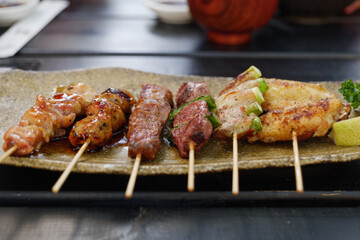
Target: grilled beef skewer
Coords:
[[48, 118], [190, 123], [147, 121], [105, 116]]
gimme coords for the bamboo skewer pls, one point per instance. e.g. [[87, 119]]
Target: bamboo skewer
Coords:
[[298, 174], [65, 174], [131, 184], [235, 179], [191, 175], [8, 153]]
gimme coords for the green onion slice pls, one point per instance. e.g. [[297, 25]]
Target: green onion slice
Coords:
[[214, 119], [256, 125], [259, 97], [254, 72], [209, 100], [262, 85], [254, 108]]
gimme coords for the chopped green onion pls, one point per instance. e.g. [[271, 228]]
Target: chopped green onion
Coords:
[[253, 71], [259, 97], [254, 108], [209, 100], [214, 119], [256, 125], [262, 85]]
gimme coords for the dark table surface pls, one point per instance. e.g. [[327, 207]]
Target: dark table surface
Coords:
[[116, 33]]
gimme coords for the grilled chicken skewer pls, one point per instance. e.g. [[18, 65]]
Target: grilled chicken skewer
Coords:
[[191, 129], [145, 125], [307, 109], [238, 107], [48, 119], [105, 116]]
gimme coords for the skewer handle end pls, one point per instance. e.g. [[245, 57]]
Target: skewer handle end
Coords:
[[131, 184], [191, 175]]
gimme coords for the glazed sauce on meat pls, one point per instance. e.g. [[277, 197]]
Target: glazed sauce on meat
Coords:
[[63, 144]]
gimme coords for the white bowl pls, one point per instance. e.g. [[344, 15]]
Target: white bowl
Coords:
[[11, 14], [170, 11]]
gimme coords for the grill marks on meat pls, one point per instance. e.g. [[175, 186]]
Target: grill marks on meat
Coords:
[[147, 121], [48, 118], [104, 116], [189, 91], [191, 124]]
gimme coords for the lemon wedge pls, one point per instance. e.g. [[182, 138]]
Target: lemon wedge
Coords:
[[346, 133]]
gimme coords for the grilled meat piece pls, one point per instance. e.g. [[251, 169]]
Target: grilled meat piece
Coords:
[[189, 91], [147, 121], [232, 111], [104, 116], [156, 92], [191, 125], [308, 109], [48, 118]]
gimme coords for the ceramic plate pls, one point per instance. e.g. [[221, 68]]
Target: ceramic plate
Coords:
[[19, 89]]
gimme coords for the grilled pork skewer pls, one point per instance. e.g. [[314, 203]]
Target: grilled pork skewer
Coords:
[[105, 116], [145, 125], [191, 127], [48, 119]]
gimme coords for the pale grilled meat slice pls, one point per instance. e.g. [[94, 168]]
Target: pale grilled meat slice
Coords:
[[232, 111], [280, 90], [147, 121], [105, 116], [191, 125], [189, 91]]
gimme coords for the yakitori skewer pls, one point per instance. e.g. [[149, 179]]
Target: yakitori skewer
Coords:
[[297, 166], [145, 125], [132, 180], [238, 107], [47, 119], [191, 171], [193, 122], [289, 111], [66, 173], [105, 116], [235, 175]]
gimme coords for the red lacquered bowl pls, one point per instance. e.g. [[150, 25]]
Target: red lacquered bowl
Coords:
[[231, 22]]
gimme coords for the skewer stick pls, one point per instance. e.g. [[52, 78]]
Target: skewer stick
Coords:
[[68, 169], [235, 183], [131, 184], [298, 174], [8, 153], [191, 176]]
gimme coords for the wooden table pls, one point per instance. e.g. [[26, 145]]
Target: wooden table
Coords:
[[125, 34]]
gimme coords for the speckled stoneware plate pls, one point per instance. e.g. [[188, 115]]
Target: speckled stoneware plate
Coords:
[[19, 88]]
